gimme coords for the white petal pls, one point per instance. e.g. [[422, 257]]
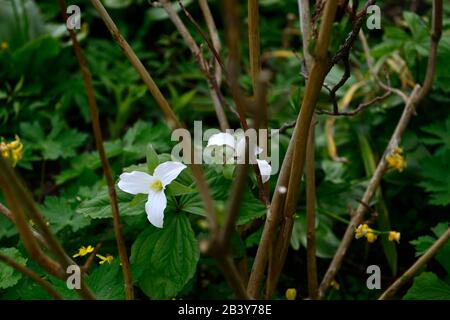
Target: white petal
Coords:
[[135, 182], [240, 148], [221, 139], [154, 207], [168, 171], [265, 169]]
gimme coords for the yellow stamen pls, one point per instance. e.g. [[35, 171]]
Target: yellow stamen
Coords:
[[157, 185]]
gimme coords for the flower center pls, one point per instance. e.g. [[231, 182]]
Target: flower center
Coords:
[[156, 185]]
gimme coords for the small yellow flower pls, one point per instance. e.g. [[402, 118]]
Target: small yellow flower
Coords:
[[291, 294], [11, 151], [361, 231], [83, 251], [364, 230], [4, 45], [108, 258], [371, 237], [394, 236], [335, 285], [395, 160]]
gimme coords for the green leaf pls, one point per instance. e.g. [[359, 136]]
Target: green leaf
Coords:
[[165, 259], [88, 162], [60, 142], [436, 178], [152, 159], [106, 281], [228, 171], [177, 189], [117, 4], [156, 14], [251, 208], [7, 229], [190, 204], [326, 242], [60, 213], [137, 138], [334, 171], [99, 207], [438, 132], [8, 276], [428, 286], [138, 199], [423, 243]]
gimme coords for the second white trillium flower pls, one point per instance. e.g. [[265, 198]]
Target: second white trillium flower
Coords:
[[137, 182], [238, 145]]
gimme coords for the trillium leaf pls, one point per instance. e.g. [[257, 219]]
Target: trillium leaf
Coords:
[[138, 199], [164, 260], [178, 189], [152, 159]]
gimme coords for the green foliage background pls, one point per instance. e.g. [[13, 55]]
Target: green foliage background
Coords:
[[42, 99]]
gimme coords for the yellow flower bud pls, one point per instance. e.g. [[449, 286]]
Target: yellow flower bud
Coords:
[[394, 236], [371, 237], [395, 160], [335, 284], [11, 151], [291, 294]]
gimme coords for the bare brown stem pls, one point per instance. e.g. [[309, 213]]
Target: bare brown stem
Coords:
[[203, 64], [171, 118], [214, 34], [311, 216], [305, 26], [7, 213], [253, 41], [88, 264], [96, 128], [436, 33], [290, 175], [415, 98], [231, 21], [32, 275], [416, 267], [369, 193], [21, 203]]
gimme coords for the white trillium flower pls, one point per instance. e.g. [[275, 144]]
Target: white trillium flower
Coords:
[[237, 144], [137, 182]]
